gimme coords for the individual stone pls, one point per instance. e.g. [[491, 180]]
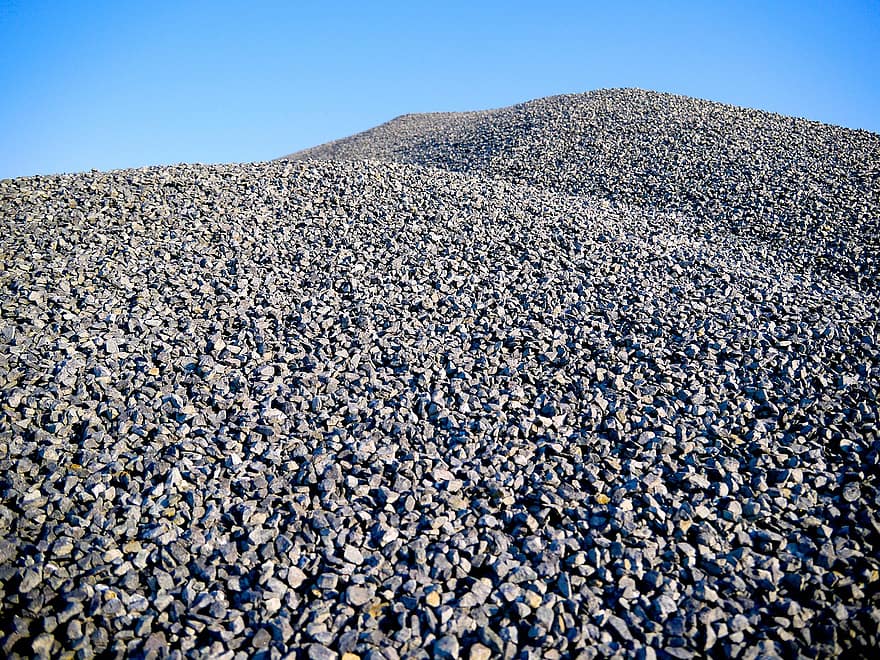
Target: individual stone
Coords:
[[479, 652], [357, 596], [295, 577], [851, 492], [620, 628], [31, 578], [261, 639], [732, 511], [320, 652], [353, 555], [42, 645], [446, 648], [327, 581]]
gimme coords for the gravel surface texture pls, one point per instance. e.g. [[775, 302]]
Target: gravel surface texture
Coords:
[[810, 188], [366, 409]]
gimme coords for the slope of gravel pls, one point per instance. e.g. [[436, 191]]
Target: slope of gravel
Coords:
[[375, 410], [810, 187]]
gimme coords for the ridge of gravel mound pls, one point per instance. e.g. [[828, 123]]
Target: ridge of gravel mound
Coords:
[[811, 187], [375, 410]]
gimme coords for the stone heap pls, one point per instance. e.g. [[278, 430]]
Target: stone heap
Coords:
[[466, 391]]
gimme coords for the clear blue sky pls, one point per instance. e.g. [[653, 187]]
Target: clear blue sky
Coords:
[[124, 84]]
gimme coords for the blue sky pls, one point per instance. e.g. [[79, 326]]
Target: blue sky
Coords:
[[120, 84]]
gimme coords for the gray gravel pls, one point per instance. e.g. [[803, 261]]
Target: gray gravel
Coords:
[[808, 188], [378, 410]]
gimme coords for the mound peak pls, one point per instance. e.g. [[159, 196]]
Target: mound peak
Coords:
[[780, 179]]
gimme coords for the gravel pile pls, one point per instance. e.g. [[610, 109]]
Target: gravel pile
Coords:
[[808, 188], [378, 410]]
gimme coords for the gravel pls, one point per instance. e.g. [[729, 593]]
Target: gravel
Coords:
[[373, 409], [810, 188]]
